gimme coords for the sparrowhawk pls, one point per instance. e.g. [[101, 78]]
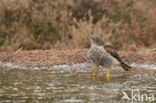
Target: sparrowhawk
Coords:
[[103, 54]]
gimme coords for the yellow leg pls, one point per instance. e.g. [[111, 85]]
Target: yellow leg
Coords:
[[95, 71], [108, 75]]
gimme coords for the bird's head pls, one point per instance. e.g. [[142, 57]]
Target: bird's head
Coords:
[[95, 40]]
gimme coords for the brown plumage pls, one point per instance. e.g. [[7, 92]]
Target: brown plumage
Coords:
[[112, 51]]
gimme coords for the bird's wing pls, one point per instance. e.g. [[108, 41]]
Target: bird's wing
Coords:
[[113, 52]]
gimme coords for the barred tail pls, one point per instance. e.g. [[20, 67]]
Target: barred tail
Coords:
[[125, 66]]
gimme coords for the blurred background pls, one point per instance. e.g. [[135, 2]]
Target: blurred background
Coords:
[[130, 25]]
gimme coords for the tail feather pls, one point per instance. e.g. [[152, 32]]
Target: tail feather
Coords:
[[125, 66]]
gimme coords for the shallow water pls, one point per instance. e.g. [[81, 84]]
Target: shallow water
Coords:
[[73, 86]]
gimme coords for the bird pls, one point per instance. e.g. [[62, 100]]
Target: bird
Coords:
[[104, 54]]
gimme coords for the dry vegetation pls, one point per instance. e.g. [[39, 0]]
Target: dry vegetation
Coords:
[[66, 24], [39, 58]]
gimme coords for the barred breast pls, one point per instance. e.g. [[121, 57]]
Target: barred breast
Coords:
[[99, 56]]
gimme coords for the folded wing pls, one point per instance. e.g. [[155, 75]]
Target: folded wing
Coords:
[[111, 50]]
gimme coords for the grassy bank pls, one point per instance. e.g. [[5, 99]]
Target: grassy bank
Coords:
[[66, 24]]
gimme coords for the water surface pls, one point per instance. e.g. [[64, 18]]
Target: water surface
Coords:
[[73, 86]]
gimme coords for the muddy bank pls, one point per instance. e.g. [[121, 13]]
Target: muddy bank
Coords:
[[53, 57]]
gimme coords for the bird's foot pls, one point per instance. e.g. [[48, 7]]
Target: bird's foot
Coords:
[[94, 74], [108, 75]]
